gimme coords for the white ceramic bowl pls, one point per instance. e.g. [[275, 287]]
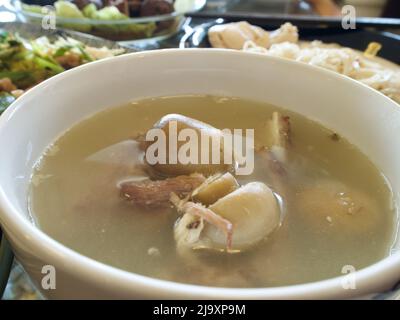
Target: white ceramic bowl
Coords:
[[367, 118]]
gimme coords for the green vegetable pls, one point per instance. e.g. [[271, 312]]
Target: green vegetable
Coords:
[[109, 13], [147, 29], [62, 50], [85, 55], [14, 76], [67, 9], [112, 13], [32, 8], [46, 64], [27, 63], [136, 30], [43, 59], [5, 100], [89, 11], [7, 53], [3, 36]]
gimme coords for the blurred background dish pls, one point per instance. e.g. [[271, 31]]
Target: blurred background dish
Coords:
[[118, 20], [29, 56], [32, 31], [356, 39]]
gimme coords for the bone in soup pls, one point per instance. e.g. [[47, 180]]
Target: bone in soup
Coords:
[[313, 204]]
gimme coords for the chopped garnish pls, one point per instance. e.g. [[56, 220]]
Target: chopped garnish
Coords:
[[24, 63]]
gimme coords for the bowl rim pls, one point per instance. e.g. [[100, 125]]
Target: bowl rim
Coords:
[[53, 250], [198, 5]]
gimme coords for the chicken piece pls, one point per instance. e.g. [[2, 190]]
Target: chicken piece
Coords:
[[214, 188], [285, 50], [234, 223], [187, 232], [254, 212], [332, 204], [272, 156], [286, 33], [177, 136], [279, 130], [156, 194], [276, 137], [234, 35], [7, 85], [202, 213], [279, 127]]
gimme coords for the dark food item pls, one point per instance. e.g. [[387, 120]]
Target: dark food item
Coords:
[[335, 137], [134, 7], [81, 3], [156, 7], [40, 2], [156, 194]]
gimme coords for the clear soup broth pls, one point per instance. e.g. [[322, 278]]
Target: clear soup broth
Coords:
[[338, 209]]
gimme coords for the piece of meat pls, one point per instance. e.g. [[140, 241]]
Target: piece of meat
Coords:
[[175, 125], [187, 232], [197, 210], [286, 33], [237, 35], [156, 7], [7, 85], [280, 130], [156, 194], [277, 141], [69, 60], [234, 35]]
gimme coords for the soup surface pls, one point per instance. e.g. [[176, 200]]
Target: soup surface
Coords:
[[75, 199]]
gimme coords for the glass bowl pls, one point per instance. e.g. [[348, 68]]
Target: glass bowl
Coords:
[[152, 27]]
